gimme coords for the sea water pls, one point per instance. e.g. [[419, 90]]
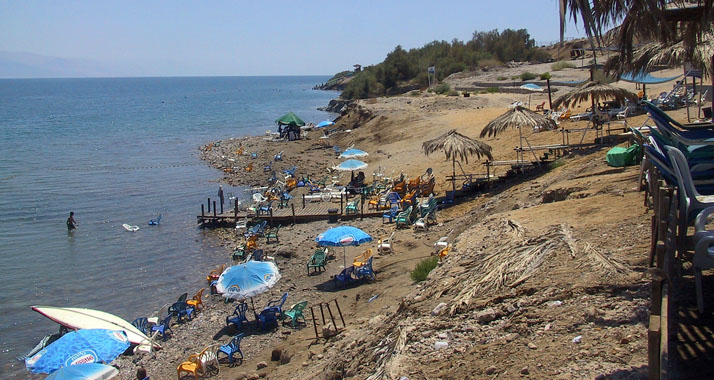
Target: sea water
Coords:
[[115, 151]]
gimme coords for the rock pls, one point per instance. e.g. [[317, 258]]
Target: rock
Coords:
[[418, 298], [253, 376], [511, 337], [486, 315], [490, 370], [624, 341], [426, 333], [305, 364], [262, 365], [285, 358], [524, 371], [320, 356], [275, 355], [532, 345], [439, 308], [263, 374], [242, 376], [329, 330], [443, 336]]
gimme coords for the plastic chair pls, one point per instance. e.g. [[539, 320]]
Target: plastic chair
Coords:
[[385, 245], [345, 277], [276, 306], [266, 208], [295, 312], [703, 252], [197, 302], [213, 275], [163, 327], [141, 324], [239, 316], [267, 318], [272, 234], [366, 270], [317, 261], [391, 214], [404, 218], [181, 311], [198, 364], [352, 207], [362, 258], [155, 222], [230, 349]]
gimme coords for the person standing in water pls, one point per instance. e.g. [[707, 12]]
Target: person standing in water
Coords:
[[71, 223], [220, 195]]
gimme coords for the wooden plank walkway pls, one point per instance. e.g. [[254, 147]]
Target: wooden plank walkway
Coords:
[[294, 213]]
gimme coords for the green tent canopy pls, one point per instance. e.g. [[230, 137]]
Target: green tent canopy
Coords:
[[290, 119]]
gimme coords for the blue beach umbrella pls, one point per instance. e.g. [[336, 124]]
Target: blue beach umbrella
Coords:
[[343, 236], [352, 153], [87, 371], [79, 347], [351, 165], [248, 280], [325, 123], [532, 87]]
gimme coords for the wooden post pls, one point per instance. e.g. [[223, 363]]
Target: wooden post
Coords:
[[340, 312], [271, 217], [303, 201], [221, 207], [361, 206], [332, 317], [209, 205], [203, 215], [314, 324], [214, 209], [341, 202], [322, 312], [292, 206], [235, 211]]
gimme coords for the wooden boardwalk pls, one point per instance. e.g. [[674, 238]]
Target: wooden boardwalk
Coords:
[[294, 213]]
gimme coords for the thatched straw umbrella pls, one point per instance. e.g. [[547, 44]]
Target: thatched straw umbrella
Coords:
[[596, 91], [517, 117], [455, 144]]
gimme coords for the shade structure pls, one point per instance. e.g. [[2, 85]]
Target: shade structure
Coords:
[[87, 371], [455, 144], [343, 236], [324, 123], [78, 347], [247, 280], [516, 117], [595, 90], [351, 165], [353, 152], [290, 119]]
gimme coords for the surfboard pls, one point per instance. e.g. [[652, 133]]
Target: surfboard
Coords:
[[80, 318], [130, 228]]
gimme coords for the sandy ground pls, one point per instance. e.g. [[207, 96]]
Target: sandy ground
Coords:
[[533, 288]]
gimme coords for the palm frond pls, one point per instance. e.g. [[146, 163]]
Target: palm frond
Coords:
[[454, 145], [516, 117]]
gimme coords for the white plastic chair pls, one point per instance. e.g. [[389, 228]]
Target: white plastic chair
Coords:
[[385, 245], [703, 252]]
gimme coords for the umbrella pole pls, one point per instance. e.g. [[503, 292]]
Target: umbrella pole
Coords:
[[344, 257], [453, 177]]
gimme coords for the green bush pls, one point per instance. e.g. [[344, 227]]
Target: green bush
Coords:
[[501, 78], [545, 76], [528, 76], [442, 88], [492, 89], [556, 164], [423, 268], [515, 77], [562, 65], [452, 93]]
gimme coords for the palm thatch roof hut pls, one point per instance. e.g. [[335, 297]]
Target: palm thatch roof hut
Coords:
[[595, 90], [454, 145], [516, 117]]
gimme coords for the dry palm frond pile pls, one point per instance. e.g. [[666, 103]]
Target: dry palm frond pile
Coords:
[[508, 258]]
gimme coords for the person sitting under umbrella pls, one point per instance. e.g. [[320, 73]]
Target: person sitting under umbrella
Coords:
[[356, 182]]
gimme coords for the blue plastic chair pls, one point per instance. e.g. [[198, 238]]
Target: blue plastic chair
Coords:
[[238, 316], [278, 157], [181, 311], [345, 277], [291, 171], [141, 323], [391, 214], [265, 209], [337, 150], [366, 270], [257, 255], [266, 319], [232, 348], [267, 168], [163, 327], [277, 305]]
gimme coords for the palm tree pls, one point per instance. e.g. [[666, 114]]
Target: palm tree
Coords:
[[676, 25]]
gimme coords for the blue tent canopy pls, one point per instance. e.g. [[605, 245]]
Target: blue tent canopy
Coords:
[[569, 83], [645, 78]]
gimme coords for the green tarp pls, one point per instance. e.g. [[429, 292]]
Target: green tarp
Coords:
[[619, 156], [290, 119]]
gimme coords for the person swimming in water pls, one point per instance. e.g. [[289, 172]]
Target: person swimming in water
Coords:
[[71, 223]]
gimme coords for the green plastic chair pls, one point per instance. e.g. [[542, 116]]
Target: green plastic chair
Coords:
[[404, 218], [317, 261], [295, 312], [272, 234], [352, 207]]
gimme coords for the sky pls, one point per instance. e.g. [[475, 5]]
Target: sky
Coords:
[[212, 38]]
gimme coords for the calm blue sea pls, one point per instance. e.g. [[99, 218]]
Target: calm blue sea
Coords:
[[114, 151]]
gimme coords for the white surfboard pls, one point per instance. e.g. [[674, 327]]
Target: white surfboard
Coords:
[[130, 228], [80, 318]]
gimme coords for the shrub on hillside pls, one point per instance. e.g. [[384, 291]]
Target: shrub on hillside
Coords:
[[545, 76], [562, 65], [423, 268], [492, 89], [442, 88], [501, 78], [528, 76]]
